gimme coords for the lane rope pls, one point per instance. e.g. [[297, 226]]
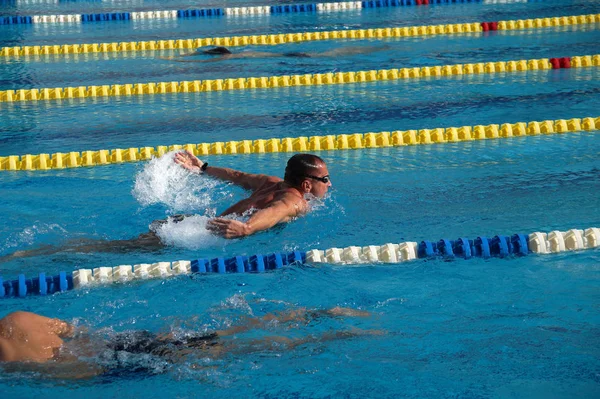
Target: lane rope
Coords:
[[317, 79], [275, 39], [61, 160], [499, 246], [218, 12]]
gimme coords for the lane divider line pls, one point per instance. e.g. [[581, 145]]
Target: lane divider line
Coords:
[[271, 82], [501, 246], [61, 160], [218, 12], [276, 39]]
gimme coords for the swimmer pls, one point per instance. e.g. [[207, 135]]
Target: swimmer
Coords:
[[223, 53], [272, 201], [29, 339]]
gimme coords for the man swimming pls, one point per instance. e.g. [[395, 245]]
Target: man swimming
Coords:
[[29, 338], [272, 201], [223, 53]]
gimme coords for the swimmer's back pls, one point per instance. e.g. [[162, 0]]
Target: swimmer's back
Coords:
[[271, 191]]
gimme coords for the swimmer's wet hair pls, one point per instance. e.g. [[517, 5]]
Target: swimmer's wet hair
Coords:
[[301, 165], [217, 51]]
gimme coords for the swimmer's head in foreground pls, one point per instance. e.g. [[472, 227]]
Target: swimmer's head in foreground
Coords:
[[309, 174]]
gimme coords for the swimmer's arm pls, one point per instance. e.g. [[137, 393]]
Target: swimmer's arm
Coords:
[[174, 57], [214, 59], [202, 61], [256, 54], [190, 54], [78, 371], [72, 370], [352, 50], [248, 181], [7, 352], [279, 211]]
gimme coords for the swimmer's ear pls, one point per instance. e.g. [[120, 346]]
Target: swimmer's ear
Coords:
[[306, 186]]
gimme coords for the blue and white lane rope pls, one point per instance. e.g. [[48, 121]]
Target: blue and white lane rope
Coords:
[[217, 12], [498, 246]]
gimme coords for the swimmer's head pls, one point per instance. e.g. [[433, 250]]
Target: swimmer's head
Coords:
[[308, 173], [217, 51]]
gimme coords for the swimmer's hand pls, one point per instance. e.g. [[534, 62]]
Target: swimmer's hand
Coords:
[[228, 228], [189, 161]]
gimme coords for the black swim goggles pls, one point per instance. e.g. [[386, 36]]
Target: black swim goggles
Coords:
[[324, 179]]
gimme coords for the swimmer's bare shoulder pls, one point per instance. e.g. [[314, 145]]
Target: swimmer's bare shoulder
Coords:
[[7, 351], [26, 336], [270, 180], [295, 203]]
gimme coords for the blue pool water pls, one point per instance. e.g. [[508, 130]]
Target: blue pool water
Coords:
[[518, 327]]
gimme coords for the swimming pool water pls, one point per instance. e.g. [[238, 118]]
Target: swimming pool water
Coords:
[[519, 327], [138, 67]]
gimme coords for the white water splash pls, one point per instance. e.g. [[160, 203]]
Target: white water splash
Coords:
[[325, 205], [32, 234], [162, 181], [189, 233], [381, 304]]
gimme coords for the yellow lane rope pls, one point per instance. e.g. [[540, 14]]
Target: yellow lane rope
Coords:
[[61, 160], [274, 39], [141, 89]]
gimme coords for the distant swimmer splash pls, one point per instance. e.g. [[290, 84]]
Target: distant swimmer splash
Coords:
[[223, 53], [272, 201]]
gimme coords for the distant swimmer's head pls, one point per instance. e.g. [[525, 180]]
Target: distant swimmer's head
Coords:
[[308, 173], [297, 55], [217, 51]]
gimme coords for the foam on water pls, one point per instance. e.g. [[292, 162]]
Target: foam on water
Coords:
[[190, 233], [162, 181], [32, 234]]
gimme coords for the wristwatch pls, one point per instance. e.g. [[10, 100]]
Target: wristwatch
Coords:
[[203, 167]]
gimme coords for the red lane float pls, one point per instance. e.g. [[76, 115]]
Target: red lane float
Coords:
[[559, 63], [489, 26]]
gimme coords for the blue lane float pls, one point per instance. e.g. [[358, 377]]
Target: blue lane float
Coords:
[[41, 285], [218, 12], [65, 281], [109, 16], [498, 246]]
